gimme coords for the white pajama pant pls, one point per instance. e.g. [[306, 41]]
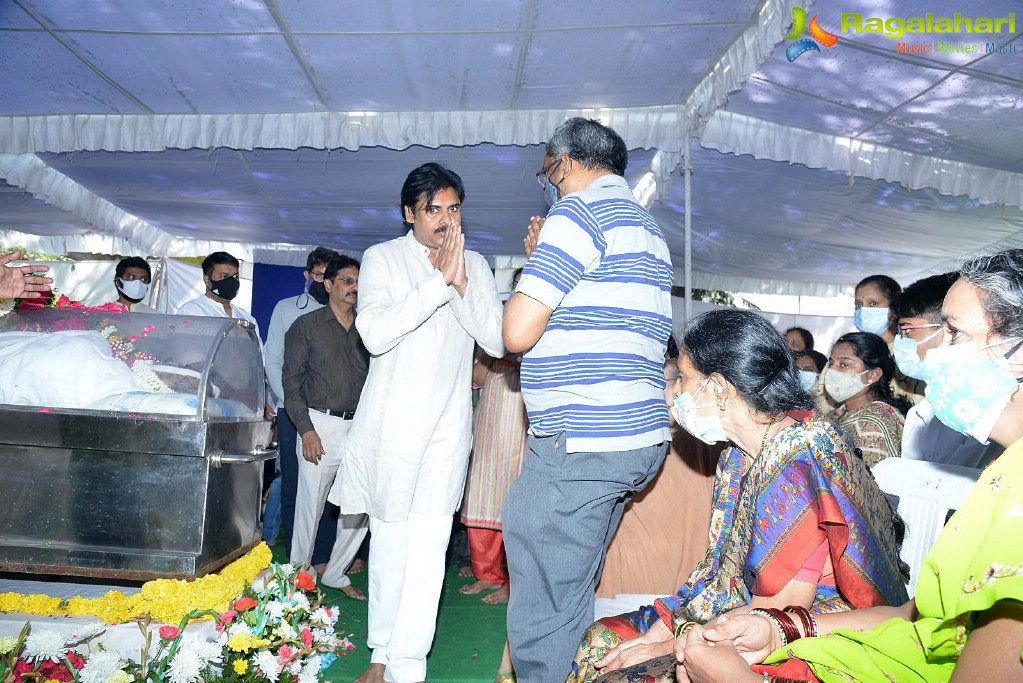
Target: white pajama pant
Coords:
[[406, 574], [314, 482]]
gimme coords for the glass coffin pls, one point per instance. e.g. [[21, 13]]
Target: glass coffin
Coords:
[[131, 445]]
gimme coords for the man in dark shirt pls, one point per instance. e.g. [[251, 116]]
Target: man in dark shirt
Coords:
[[325, 366]]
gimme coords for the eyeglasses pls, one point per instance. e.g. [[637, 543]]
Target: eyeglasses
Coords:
[[541, 175], [317, 275], [345, 280], [904, 328]]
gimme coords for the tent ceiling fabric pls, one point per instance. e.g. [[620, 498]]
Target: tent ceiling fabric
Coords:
[[281, 124]]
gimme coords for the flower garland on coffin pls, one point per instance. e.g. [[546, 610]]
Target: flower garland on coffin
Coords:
[[121, 347], [278, 630]]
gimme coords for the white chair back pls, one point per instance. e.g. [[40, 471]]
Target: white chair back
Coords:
[[927, 491], [621, 603]]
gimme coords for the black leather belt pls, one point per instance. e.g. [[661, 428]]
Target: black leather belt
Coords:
[[343, 414]]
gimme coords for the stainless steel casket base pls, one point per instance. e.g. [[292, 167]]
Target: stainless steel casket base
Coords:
[[127, 498]]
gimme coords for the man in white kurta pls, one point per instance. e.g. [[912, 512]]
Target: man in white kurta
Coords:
[[423, 302], [220, 275]]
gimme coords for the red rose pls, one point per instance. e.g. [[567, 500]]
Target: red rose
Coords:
[[169, 632], [307, 637], [305, 581], [242, 604]]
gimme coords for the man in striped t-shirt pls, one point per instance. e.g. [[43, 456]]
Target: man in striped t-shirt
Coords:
[[593, 314]]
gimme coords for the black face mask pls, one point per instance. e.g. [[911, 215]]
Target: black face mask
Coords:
[[227, 288], [318, 292]]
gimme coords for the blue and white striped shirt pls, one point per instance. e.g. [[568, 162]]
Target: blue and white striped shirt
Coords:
[[597, 372]]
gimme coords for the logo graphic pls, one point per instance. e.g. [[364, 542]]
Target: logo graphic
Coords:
[[817, 35]]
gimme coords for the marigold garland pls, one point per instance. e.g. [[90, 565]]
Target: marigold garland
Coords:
[[166, 600]]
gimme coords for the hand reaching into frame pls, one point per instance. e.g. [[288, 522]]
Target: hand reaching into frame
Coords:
[[21, 281]]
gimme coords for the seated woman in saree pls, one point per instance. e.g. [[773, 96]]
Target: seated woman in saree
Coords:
[[966, 621], [797, 518], [859, 379]]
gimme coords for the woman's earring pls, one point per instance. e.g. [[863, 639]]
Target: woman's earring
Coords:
[[721, 404]]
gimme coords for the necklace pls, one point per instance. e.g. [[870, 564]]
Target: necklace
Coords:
[[767, 431]]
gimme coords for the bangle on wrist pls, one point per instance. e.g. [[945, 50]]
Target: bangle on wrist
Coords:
[[684, 628], [809, 623], [786, 627]]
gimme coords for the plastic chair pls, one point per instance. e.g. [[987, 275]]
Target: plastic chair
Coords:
[[926, 493]]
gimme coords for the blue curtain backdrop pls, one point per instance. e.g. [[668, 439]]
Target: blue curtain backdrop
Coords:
[[270, 284]]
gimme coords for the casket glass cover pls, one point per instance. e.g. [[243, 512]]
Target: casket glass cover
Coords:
[[193, 367], [132, 445]]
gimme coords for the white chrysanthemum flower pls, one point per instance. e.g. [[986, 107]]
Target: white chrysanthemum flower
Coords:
[[310, 670], [324, 636], [294, 667], [267, 664], [324, 616], [287, 569], [7, 644], [286, 631], [209, 652], [101, 666], [275, 609], [186, 666], [300, 601], [87, 631], [120, 676], [45, 643]]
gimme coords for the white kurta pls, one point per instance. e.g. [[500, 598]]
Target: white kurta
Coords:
[[205, 306], [409, 445]]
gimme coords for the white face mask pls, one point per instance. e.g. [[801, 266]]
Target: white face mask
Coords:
[[707, 429], [133, 289], [808, 379], [842, 386]]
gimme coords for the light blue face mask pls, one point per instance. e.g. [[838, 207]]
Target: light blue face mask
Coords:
[[872, 320], [808, 379], [551, 193], [907, 357], [969, 387], [707, 429]]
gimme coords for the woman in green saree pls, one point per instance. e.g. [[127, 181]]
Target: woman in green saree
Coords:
[[966, 621]]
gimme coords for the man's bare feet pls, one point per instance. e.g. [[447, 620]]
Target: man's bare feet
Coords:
[[465, 571], [354, 592], [498, 597], [357, 566], [478, 587], [374, 673]]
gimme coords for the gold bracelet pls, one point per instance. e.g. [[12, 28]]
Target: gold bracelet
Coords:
[[684, 628]]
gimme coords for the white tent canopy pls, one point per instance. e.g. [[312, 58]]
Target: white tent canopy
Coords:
[[269, 126]]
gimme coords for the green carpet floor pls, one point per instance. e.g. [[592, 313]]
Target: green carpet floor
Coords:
[[467, 648]]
